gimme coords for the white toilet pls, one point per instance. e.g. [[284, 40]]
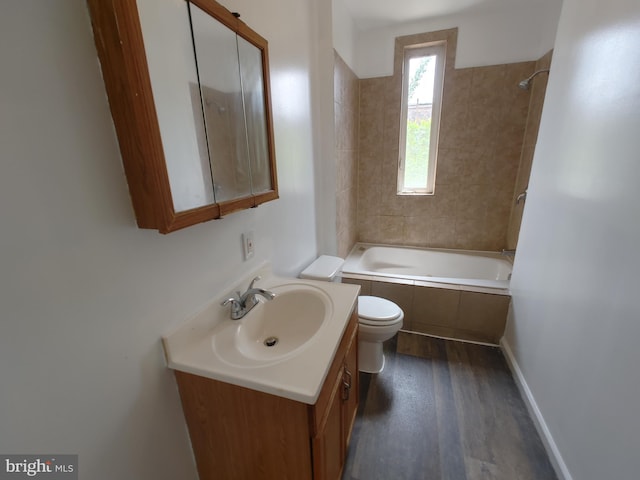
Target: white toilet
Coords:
[[379, 319]]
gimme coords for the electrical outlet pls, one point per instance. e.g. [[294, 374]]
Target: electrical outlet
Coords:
[[247, 245]]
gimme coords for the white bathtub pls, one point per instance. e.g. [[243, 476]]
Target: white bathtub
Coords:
[[457, 267]]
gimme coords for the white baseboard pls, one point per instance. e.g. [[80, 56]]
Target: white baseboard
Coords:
[[550, 445]]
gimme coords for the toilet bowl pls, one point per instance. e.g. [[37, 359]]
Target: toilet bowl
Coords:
[[378, 319]]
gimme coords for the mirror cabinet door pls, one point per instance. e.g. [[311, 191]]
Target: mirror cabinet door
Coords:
[[188, 90], [220, 103], [250, 59], [235, 105], [172, 71]]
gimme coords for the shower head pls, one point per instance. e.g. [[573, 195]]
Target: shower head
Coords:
[[524, 84]]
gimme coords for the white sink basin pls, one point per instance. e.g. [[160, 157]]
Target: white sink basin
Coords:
[[274, 330], [306, 317]]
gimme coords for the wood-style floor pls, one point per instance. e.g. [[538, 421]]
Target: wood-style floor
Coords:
[[443, 410]]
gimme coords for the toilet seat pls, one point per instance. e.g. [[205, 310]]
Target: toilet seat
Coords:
[[376, 311]]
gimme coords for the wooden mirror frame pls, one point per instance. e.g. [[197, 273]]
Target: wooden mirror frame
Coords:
[[120, 46]]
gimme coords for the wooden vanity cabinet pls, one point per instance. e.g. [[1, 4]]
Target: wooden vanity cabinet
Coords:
[[239, 433], [334, 413]]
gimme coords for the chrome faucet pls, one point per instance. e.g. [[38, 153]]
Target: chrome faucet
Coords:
[[242, 304]]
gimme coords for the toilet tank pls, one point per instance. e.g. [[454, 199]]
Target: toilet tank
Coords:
[[324, 268]]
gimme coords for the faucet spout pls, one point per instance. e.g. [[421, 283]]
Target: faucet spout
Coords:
[[250, 295]]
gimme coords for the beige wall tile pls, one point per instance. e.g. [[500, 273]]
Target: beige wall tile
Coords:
[[444, 201], [391, 229], [345, 210], [472, 202], [340, 127], [390, 203], [483, 128], [346, 117], [371, 133], [365, 285], [450, 166], [434, 306], [342, 169], [487, 85], [483, 125], [369, 199], [440, 232], [417, 230], [343, 242], [369, 168], [368, 228], [481, 312], [416, 205]]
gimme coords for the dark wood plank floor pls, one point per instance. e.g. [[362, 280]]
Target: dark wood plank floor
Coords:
[[443, 410]]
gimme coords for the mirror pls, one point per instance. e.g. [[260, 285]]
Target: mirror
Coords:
[[188, 87], [253, 90], [220, 104]]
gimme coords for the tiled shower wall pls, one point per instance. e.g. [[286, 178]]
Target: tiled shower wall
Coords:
[[346, 112], [483, 122], [538, 88]]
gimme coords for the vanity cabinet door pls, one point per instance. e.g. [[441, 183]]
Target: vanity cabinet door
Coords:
[[328, 447], [351, 392], [243, 434], [335, 412]]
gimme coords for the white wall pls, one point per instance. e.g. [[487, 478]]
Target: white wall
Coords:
[[322, 116], [84, 294], [521, 33], [575, 323], [344, 32]]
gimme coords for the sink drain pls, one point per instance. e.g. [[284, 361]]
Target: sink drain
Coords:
[[270, 341]]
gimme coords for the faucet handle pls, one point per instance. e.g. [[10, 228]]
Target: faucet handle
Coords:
[[235, 302], [254, 281], [236, 307]]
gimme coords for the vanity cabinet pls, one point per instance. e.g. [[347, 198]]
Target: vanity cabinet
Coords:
[[335, 411], [188, 88], [239, 433]]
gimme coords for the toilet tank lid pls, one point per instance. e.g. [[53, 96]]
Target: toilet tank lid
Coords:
[[325, 267]]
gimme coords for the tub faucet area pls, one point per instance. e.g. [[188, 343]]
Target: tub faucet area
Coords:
[[242, 304], [508, 253]]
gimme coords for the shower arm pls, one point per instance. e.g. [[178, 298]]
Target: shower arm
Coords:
[[524, 84]]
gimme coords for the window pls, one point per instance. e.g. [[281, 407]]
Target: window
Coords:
[[423, 77]]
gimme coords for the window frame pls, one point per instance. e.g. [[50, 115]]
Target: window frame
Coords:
[[439, 50]]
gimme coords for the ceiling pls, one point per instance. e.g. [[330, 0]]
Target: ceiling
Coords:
[[369, 14]]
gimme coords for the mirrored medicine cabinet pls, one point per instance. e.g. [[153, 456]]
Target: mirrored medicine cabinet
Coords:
[[188, 88]]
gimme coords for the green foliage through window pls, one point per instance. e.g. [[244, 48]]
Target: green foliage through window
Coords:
[[423, 77], [417, 153]]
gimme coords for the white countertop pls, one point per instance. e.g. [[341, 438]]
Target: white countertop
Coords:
[[190, 347]]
